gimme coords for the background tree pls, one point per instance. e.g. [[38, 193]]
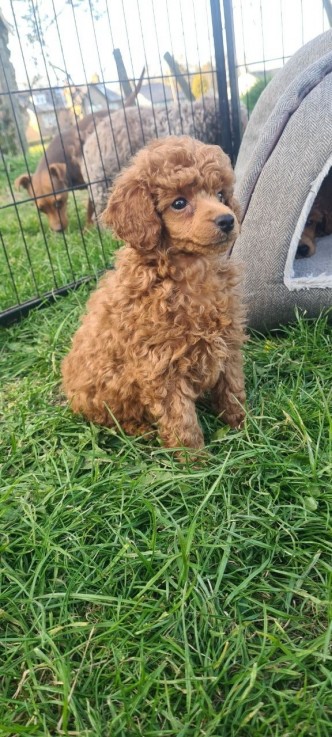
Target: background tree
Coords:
[[12, 135], [202, 81], [250, 98]]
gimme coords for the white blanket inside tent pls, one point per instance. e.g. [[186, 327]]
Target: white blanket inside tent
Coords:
[[315, 271]]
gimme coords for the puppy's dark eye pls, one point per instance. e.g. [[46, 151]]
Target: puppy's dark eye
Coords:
[[179, 204], [221, 197], [309, 223]]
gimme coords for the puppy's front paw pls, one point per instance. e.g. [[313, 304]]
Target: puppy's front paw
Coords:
[[234, 419]]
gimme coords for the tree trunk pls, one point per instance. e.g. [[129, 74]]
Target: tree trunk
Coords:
[[12, 133]]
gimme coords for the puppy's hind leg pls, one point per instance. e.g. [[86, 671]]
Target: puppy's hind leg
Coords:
[[228, 395]]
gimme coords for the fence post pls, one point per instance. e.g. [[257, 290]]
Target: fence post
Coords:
[[122, 74], [180, 78], [225, 134], [236, 126]]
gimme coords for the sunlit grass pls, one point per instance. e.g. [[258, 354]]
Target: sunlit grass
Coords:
[[140, 597], [33, 260]]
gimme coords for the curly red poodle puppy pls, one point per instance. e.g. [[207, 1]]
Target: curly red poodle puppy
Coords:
[[167, 325]]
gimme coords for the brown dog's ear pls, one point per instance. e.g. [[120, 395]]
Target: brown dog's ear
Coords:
[[131, 213], [23, 181], [59, 171]]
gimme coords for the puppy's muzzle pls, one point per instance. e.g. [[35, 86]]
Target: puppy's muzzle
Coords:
[[302, 251], [225, 223]]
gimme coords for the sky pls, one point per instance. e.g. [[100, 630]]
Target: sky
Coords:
[[144, 30]]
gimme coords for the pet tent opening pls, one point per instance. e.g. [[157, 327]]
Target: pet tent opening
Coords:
[[284, 157], [315, 271]]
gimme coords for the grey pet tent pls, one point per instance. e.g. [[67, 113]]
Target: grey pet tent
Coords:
[[285, 154]]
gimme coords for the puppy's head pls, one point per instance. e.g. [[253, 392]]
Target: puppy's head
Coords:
[[178, 193], [43, 187], [313, 228]]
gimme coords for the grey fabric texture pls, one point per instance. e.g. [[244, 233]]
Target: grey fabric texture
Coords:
[[291, 150]]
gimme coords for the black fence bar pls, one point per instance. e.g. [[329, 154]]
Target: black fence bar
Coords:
[[233, 83], [225, 132]]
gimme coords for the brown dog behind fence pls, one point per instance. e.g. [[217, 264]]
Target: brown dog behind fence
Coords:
[[60, 168]]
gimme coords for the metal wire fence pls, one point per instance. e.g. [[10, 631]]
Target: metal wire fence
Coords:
[[84, 84]]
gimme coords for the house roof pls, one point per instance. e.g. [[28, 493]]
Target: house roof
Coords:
[[156, 92], [110, 94], [264, 73], [106, 92]]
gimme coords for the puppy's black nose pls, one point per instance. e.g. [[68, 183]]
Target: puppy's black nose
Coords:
[[225, 223], [302, 250]]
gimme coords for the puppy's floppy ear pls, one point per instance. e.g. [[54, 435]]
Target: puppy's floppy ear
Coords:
[[23, 181], [131, 213], [59, 171]]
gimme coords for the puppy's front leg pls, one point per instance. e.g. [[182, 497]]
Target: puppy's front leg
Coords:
[[177, 420], [228, 395]]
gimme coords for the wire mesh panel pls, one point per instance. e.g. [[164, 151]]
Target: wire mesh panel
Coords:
[[86, 83], [65, 68]]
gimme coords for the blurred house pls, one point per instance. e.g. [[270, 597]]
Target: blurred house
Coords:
[[159, 94], [98, 96], [47, 111]]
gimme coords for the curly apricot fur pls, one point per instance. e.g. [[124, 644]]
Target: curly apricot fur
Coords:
[[167, 325]]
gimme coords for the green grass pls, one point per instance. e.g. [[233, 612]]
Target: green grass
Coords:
[[144, 598], [38, 260], [13, 166]]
